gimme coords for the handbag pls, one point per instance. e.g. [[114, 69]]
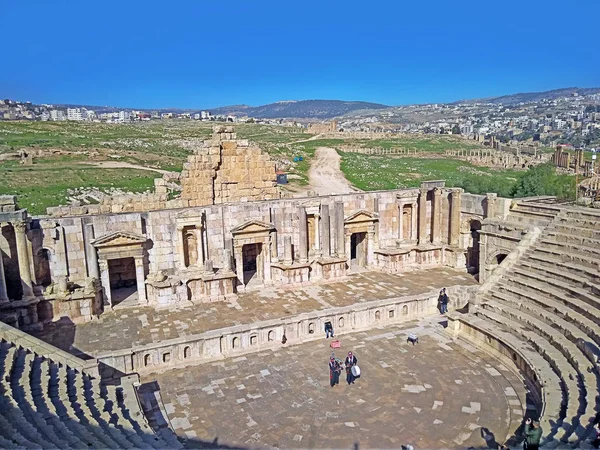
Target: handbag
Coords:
[[356, 370]]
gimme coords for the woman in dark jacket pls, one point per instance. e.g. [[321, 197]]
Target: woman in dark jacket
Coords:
[[334, 371], [351, 360]]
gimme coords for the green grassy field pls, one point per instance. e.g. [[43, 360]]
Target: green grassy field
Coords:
[[46, 184], [369, 172]]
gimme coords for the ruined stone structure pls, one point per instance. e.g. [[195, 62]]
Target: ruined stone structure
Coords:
[[324, 127], [535, 309], [78, 266], [499, 159]]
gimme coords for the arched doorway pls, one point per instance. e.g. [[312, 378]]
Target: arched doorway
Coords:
[[473, 248], [42, 267]]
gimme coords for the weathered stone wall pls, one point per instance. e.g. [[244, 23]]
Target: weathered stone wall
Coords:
[[227, 170]]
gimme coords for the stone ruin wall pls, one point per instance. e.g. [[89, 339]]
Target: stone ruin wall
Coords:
[[227, 170], [223, 170]]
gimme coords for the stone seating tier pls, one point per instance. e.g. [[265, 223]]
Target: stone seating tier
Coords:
[[52, 405], [550, 301]]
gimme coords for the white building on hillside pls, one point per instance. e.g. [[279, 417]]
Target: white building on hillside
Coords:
[[74, 114]]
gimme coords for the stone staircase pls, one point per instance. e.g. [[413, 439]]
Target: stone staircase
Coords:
[[547, 306], [46, 402]]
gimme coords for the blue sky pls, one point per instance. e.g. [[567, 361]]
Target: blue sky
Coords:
[[201, 54]]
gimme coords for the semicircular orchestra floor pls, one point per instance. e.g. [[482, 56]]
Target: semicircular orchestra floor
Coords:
[[435, 394]]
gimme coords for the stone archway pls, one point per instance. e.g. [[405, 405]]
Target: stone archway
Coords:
[[359, 231], [121, 257], [252, 252]]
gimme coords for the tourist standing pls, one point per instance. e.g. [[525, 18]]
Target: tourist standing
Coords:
[[351, 361], [334, 371], [443, 301], [533, 435], [328, 329]]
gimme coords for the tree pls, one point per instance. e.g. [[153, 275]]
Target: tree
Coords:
[[543, 180], [455, 129]]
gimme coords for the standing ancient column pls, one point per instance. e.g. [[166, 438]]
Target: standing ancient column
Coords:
[[400, 227], [226, 260], [199, 246], [274, 243], [90, 252], [317, 217], [239, 263], [339, 225], [491, 205], [3, 292], [455, 204], [303, 234], [180, 246], [414, 221], [140, 278], [370, 246], [105, 280], [422, 216], [288, 257], [23, 255], [436, 229], [325, 237], [266, 275]]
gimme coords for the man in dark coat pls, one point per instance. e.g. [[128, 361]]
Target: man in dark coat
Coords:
[[351, 361], [443, 301]]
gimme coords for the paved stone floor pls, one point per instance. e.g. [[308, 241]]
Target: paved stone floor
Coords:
[[436, 394], [134, 326]]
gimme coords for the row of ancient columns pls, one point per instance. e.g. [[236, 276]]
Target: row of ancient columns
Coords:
[[437, 218], [24, 264]]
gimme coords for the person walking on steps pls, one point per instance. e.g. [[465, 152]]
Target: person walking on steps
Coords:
[[351, 361], [334, 371], [533, 435]]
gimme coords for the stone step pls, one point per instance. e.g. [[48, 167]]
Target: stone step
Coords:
[[588, 250], [545, 305], [588, 273], [22, 416], [567, 228], [556, 252], [560, 365], [549, 270], [587, 341], [539, 207], [60, 398], [536, 210], [85, 414], [12, 433], [581, 222], [572, 238], [530, 218], [555, 287], [554, 397], [581, 212]]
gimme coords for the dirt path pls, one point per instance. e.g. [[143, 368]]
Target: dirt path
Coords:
[[325, 176], [122, 165]]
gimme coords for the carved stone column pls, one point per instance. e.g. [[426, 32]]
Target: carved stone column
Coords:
[[90, 252], [227, 260], [274, 235], [180, 246], [414, 221], [199, 245], [288, 258], [303, 234], [423, 217], [491, 205], [317, 217], [105, 280], [455, 205], [3, 292], [239, 263], [370, 246], [436, 229], [267, 261], [339, 225], [400, 228], [24, 264], [325, 236], [140, 278]]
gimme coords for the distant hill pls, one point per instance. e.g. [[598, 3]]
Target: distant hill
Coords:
[[525, 97], [301, 109]]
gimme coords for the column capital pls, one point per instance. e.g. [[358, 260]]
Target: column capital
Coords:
[[455, 194], [103, 264], [437, 191], [20, 226], [423, 191]]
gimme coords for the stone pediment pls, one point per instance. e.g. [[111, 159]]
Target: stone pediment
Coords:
[[362, 215], [253, 226], [118, 238]]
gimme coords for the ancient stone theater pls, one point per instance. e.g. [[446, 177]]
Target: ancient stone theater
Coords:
[[152, 321]]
